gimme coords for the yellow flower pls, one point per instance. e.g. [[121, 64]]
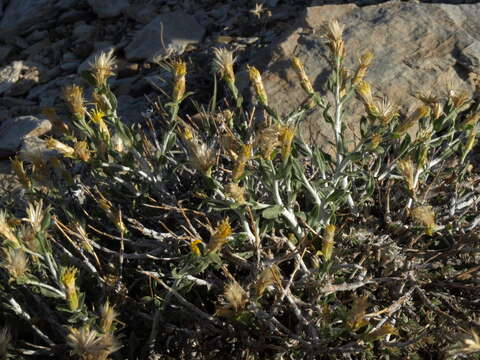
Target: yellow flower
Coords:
[[68, 279], [179, 73], [97, 116], [302, 75], [286, 135], [195, 248], [365, 61], [256, 80]]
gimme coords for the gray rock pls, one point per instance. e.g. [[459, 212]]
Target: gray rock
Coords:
[[108, 8], [21, 17], [470, 57], [142, 13], [416, 48], [82, 31], [130, 109], [9, 75], [29, 77], [33, 149], [167, 34], [71, 66], [4, 52], [14, 130]]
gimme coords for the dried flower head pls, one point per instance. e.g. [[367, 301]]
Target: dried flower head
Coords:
[[327, 242], [195, 247], [470, 121], [471, 345], [18, 169], [236, 192], [302, 75], [88, 344], [257, 82], [334, 33], [202, 157], [425, 216], [223, 64], [384, 330], [5, 339], [219, 235], [102, 67], [235, 296], [270, 276], [81, 151], [386, 111], [108, 316], [406, 169], [459, 98], [36, 214], [73, 95], [60, 147], [68, 279], [15, 262], [356, 316], [243, 157], [179, 69], [420, 113], [365, 61], [6, 230], [57, 123], [267, 140]]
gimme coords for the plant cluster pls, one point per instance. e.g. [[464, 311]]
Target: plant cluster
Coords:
[[227, 233]]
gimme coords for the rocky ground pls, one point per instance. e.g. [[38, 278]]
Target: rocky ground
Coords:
[[45, 45]]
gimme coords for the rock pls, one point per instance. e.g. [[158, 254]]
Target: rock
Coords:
[[4, 52], [29, 77], [166, 35], [142, 13], [9, 75], [21, 17], [33, 149], [470, 57], [130, 109], [14, 130], [108, 8], [82, 31], [416, 47]]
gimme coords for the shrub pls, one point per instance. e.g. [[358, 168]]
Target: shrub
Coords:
[[226, 233]]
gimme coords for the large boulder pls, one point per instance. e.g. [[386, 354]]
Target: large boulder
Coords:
[[15, 130], [24, 16], [167, 34], [417, 47]]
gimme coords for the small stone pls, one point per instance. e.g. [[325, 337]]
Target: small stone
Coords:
[[9, 75], [34, 149], [166, 35], [14, 130], [108, 8]]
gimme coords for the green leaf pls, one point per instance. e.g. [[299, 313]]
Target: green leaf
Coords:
[[272, 212]]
